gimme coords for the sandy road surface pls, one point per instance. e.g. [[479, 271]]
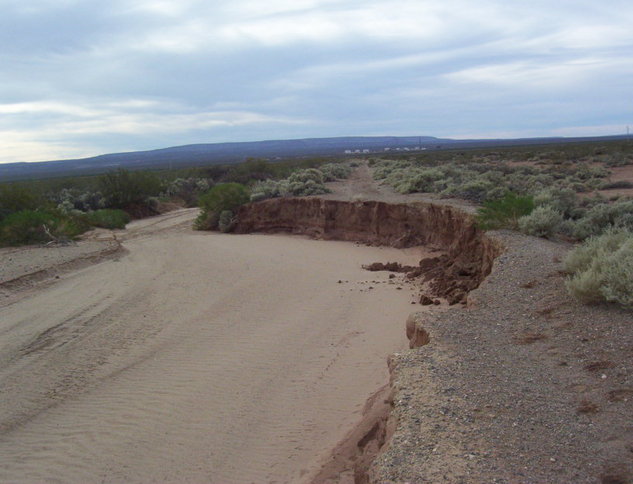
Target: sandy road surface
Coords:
[[195, 357]]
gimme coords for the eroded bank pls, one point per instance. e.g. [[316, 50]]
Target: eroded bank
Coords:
[[467, 258], [468, 253]]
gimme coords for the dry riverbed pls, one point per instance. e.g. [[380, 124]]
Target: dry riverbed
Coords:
[[190, 357]]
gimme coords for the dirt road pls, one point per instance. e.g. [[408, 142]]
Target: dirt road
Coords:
[[195, 357]]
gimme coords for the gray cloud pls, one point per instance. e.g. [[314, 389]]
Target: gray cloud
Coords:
[[79, 78]]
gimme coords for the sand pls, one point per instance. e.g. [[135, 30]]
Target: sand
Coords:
[[196, 357]]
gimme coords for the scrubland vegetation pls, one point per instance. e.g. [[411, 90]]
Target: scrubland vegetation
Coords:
[[601, 269], [545, 193], [41, 211], [551, 193]]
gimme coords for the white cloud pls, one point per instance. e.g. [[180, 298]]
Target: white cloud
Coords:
[[149, 123], [48, 107], [550, 73], [20, 146]]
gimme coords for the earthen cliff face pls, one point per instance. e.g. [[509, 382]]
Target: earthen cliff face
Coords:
[[469, 253]]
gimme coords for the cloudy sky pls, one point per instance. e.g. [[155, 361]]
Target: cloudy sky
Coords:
[[83, 77]]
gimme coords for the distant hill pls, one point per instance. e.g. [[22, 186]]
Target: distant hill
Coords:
[[221, 153]]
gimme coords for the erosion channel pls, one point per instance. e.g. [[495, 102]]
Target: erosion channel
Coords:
[[197, 357]]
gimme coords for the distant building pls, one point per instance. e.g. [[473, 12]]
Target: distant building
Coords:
[[348, 152]]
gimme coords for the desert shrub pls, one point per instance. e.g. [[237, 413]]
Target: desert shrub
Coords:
[[602, 268], [335, 171], [416, 179], [188, 189], [69, 199], [474, 190], [616, 184], [123, 188], [544, 221], [299, 184], [496, 193], [303, 176], [306, 188], [226, 221], [504, 212], [305, 182], [562, 200], [31, 226], [222, 197], [617, 160], [14, 198], [266, 189], [206, 221], [383, 168], [108, 218], [604, 215]]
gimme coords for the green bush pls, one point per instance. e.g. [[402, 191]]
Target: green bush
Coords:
[[601, 270], [223, 197], [504, 212], [14, 198], [123, 188], [108, 218], [36, 226]]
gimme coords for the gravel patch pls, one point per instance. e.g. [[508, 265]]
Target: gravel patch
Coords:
[[524, 385]]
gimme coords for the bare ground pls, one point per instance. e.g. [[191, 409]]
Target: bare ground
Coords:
[[190, 357]]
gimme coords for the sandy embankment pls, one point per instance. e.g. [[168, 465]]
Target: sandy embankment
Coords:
[[196, 358]]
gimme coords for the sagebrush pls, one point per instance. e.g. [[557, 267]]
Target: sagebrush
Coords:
[[601, 269]]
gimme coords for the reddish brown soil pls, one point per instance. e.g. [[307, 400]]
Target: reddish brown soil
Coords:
[[468, 252]]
